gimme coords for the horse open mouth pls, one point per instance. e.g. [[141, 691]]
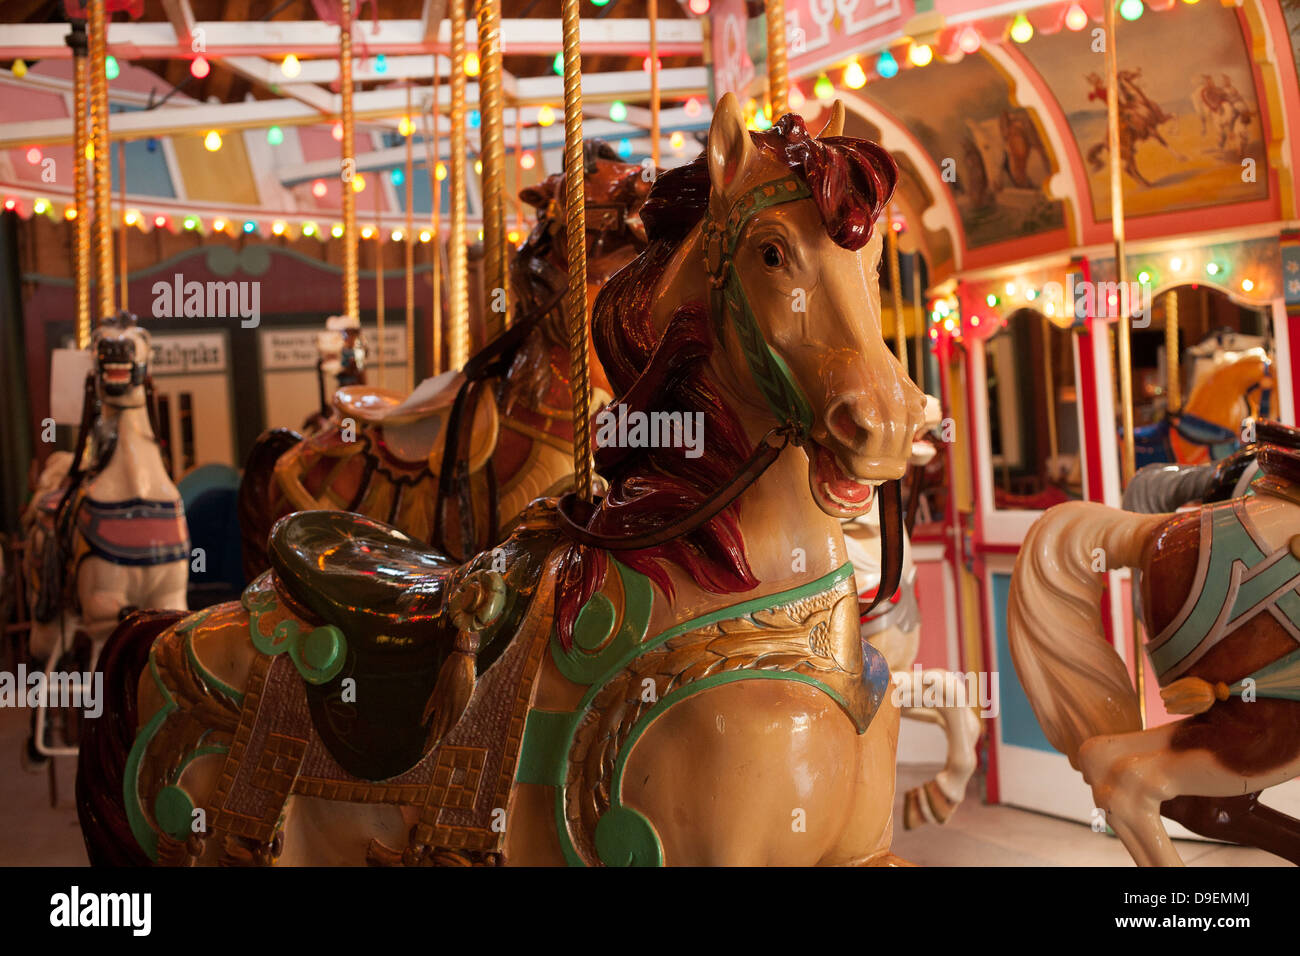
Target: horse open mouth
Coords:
[[836, 491], [116, 373]]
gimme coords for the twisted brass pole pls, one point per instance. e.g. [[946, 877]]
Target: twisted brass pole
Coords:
[[1124, 359], [410, 247], [351, 302], [99, 145], [121, 223], [654, 82], [778, 75], [1173, 357], [382, 366], [458, 262], [896, 288], [492, 151], [575, 299], [77, 41], [435, 190]]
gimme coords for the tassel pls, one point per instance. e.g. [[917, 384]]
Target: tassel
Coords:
[[1192, 695], [450, 697]]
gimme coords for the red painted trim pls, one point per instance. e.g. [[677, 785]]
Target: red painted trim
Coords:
[[982, 547]]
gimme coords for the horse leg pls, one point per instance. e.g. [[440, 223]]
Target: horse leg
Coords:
[[103, 590], [1241, 819], [748, 773], [1131, 775], [936, 800]]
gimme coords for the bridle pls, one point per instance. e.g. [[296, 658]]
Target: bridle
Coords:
[[774, 380]]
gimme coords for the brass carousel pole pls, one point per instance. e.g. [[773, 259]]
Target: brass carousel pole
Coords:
[[492, 151], [435, 190], [77, 41], [778, 76], [519, 168], [1049, 381], [654, 82], [918, 355], [896, 289], [1173, 358], [379, 284], [1124, 360], [575, 299], [409, 236], [121, 222], [458, 264], [100, 150], [351, 306]]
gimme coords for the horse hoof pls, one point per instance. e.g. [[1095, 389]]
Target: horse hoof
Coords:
[[926, 804]]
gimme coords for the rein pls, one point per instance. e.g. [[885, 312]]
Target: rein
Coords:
[[776, 383]]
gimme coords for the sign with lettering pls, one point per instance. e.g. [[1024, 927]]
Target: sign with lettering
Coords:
[[818, 34], [284, 349], [188, 354]]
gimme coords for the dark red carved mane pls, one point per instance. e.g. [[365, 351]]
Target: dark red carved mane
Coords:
[[851, 180]]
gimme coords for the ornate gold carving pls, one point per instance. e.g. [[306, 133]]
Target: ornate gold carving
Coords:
[[815, 636]]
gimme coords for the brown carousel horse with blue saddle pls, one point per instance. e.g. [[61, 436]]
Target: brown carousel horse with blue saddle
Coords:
[[506, 414], [672, 673]]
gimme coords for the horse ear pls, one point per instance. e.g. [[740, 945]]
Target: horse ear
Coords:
[[835, 125], [730, 149]]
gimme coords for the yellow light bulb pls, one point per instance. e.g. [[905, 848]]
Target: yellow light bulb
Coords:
[[545, 116], [855, 78], [405, 126], [920, 54], [358, 183], [212, 142], [290, 67], [471, 64]]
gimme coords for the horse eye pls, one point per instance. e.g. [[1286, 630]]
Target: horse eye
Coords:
[[772, 256]]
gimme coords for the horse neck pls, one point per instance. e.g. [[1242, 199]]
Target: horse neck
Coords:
[[136, 468], [788, 539]]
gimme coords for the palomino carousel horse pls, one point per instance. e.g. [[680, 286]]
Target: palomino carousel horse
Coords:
[[106, 530], [894, 629], [1219, 593], [1232, 381], [644, 679], [383, 454]]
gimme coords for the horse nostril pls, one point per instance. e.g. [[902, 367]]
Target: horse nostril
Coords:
[[842, 424]]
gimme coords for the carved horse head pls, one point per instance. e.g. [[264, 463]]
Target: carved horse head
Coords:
[[122, 351], [794, 261]]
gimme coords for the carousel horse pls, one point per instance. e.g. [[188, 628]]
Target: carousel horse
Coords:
[[641, 679], [895, 631], [506, 414], [1230, 385], [105, 531], [1218, 592], [1164, 488]]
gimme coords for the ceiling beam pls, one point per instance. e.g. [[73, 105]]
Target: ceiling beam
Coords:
[[313, 38], [369, 105], [181, 18], [551, 137]]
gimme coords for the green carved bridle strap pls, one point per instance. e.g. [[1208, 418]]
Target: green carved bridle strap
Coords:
[[771, 374]]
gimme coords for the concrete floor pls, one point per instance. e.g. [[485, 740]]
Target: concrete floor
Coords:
[[34, 833]]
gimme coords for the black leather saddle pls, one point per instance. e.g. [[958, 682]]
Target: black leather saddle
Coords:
[[386, 595], [366, 578]]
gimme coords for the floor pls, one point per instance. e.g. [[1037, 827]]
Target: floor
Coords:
[[34, 833]]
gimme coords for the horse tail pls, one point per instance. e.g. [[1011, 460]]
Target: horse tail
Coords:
[[260, 503], [1076, 683], [106, 741]]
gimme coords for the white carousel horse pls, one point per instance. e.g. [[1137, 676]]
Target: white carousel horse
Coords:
[[894, 629], [106, 529]]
